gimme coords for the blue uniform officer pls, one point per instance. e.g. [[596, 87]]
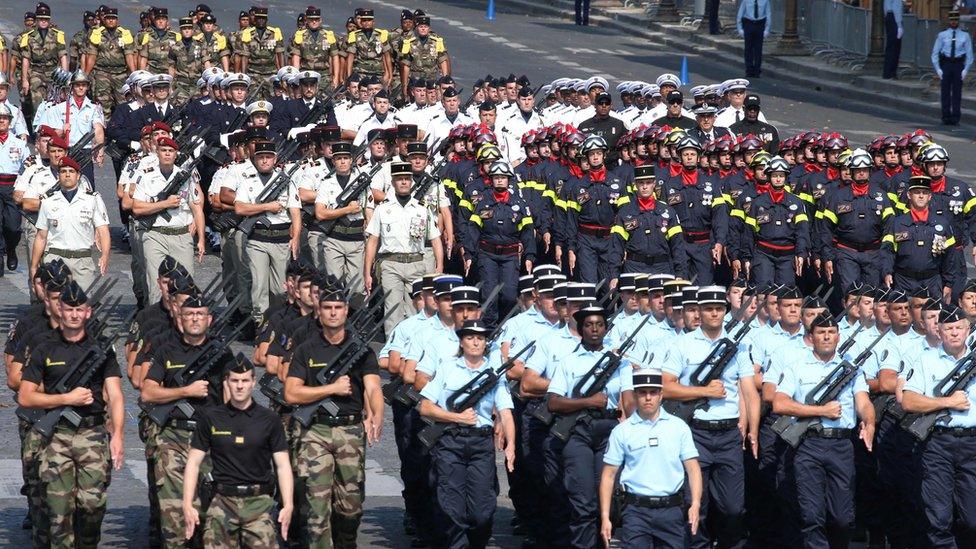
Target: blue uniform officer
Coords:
[[952, 55], [754, 21], [653, 452]]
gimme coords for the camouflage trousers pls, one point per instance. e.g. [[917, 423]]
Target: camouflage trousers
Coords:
[[106, 88], [172, 450], [183, 92], [332, 463], [31, 446], [38, 80], [148, 431], [76, 472], [245, 522]]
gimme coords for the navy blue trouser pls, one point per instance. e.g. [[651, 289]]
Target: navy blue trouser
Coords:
[[769, 510], [892, 47], [582, 466], [723, 488], [767, 268], [646, 528], [824, 472], [534, 434], [752, 31], [415, 471], [951, 88], [591, 259], [9, 221], [557, 502], [516, 478], [582, 12], [493, 270], [899, 475], [869, 500], [949, 490], [700, 267], [661, 267], [711, 10], [909, 284], [852, 267], [466, 488]]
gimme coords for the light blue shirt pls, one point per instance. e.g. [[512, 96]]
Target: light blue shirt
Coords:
[[895, 7], [943, 46], [403, 333], [13, 152], [807, 372], [577, 364], [524, 328], [623, 325], [882, 355], [651, 345], [432, 343], [451, 375], [686, 355], [18, 126], [550, 351], [652, 454], [749, 9], [82, 120], [763, 342], [932, 367], [783, 357], [845, 328]]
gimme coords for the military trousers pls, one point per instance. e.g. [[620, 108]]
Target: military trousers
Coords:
[[495, 269], [31, 448], [316, 240], [643, 527], [332, 461], [909, 284], [106, 86], [557, 511], [723, 484], [84, 270], [899, 474], [534, 434], [155, 247], [172, 450], [148, 433], [592, 255], [853, 267], [582, 466], [76, 471], [770, 268], [137, 262], [700, 267], [771, 507], [10, 221], [267, 262], [660, 267], [245, 522], [824, 473], [396, 278], [344, 260], [235, 273], [466, 487], [948, 465]]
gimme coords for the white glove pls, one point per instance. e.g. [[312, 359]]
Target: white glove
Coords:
[[293, 133], [901, 31], [939, 72], [135, 145], [742, 34], [964, 73], [224, 140], [198, 146]]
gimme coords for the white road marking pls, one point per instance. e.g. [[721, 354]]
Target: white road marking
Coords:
[[481, 33], [138, 468], [500, 39], [11, 479]]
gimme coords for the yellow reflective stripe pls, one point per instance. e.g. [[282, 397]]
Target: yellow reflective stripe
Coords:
[[673, 231], [550, 194], [720, 199], [623, 200], [526, 221], [888, 238], [621, 231], [902, 207], [829, 215], [806, 197], [561, 204], [477, 220], [818, 214], [465, 204], [969, 205], [741, 214], [752, 221], [572, 204], [951, 241], [887, 212], [449, 183], [801, 217], [893, 197]]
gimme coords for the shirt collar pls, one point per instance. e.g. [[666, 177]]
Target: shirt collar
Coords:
[[663, 415], [246, 411]]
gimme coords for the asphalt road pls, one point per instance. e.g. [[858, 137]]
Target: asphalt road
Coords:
[[541, 48]]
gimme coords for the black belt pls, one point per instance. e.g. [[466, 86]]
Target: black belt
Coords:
[[715, 424], [947, 59], [957, 431], [70, 254], [498, 249], [271, 233], [654, 502], [648, 259], [603, 413], [7, 178], [183, 424], [469, 431], [87, 422], [244, 490], [870, 247], [917, 275], [338, 421], [832, 432]]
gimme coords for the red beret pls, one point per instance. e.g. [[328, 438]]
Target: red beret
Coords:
[[147, 130], [58, 142], [167, 142], [159, 125], [68, 162], [46, 131]]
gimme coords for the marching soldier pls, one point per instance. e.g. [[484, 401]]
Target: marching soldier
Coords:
[[216, 44], [332, 451], [187, 59], [155, 46], [158, 107], [163, 385], [79, 41], [110, 55], [423, 54], [396, 235], [234, 40], [13, 153], [164, 220], [316, 49], [75, 461], [341, 248], [69, 223], [368, 50], [779, 239], [41, 49], [243, 440], [262, 50], [76, 117]]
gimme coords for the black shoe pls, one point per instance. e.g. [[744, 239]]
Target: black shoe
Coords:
[[27, 523], [12, 262]]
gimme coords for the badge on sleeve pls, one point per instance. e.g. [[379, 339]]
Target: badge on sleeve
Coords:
[[652, 441]]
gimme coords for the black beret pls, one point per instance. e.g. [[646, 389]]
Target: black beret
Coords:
[[970, 286], [522, 81], [382, 94], [162, 12], [312, 12], [949, 314], [195, 301], [896, 296], [72, 295], [824, 320], [342, 147], [933, 305], [603, 98], [186, 22], [423, 20], [334, 294], [406, 14], [526, 91], [486, 106], [451, 92], [814, 302], [203, 8], [789, 292]]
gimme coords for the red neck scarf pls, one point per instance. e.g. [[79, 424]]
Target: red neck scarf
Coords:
[[812, 167], [532, 161], [501, 197], [763, 187], [776, 194], [598, 175], [689, 177], [723, 173], [662, 162], [638, 161], [3, 137], [859, 189], [78, 101], [920, 216], [575, 171], [675, 168], [833, 173], [938, 185], [748, 175], [917, 171], [648, 203], [891, 172]]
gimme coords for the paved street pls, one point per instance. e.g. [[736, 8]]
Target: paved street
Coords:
[[541, 48]]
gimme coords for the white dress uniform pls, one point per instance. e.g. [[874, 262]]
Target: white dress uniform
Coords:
[[70, 227], [512, 128], [267, 251], [36, 182], [343, 250], [441, 124], [727, 116], [372, 123], [235, 272], [165, 236], [403, 233]]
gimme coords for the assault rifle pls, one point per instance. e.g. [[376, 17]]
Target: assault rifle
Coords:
[[75, 151], [710, 369], [962, 374], [308, 210], [172, 187], [794, 430], [350, 194], [594, 381], [420, 188], [79, 375], [468, 396], [268, 194]]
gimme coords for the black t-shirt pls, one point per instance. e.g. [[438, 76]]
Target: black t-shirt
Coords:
[[34, 339], [154, 339], [48, 363], [32, 318], [294, 331], [240, 442], [312, 355], [269, 329], [146, 319], [175, 356]]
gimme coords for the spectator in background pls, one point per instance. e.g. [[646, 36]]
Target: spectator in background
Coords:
[[952, 55], [583, 12], [893, 32], [754, 22]]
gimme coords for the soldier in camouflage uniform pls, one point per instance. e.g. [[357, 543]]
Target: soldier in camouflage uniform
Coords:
[[4, 54], [217, 45], [156, 45], [423, 54], [242, 438], [316, 49], [41, 49], [396, 44], [75, 462], [110, 57], [186, 61], [368, 50], [79, 39], [263, 51], [234, 40], [331, 455], [13, 64]]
